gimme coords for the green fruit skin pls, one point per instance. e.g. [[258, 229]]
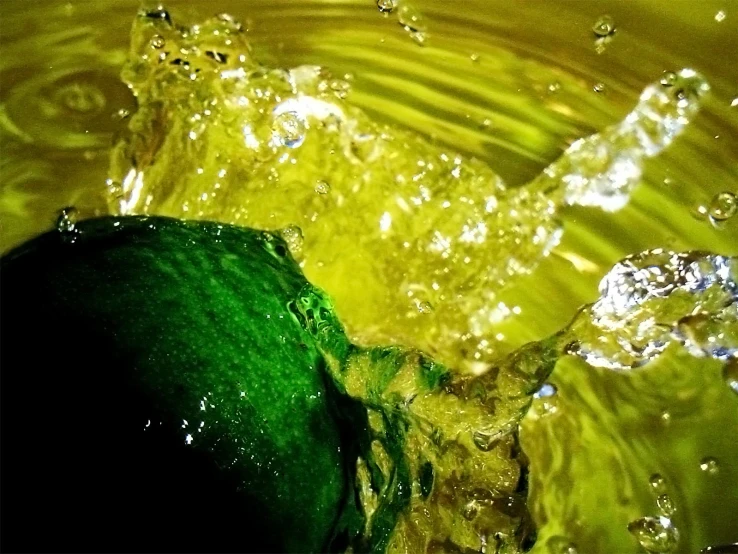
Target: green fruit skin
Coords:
[[158, 395]]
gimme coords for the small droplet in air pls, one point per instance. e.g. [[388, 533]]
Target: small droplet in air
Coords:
[[425, 307], [666, 505], [413, 22], [668, 79], [66, 223], [709, 465], [322, 187], [723, 206], [386, 6], [730, 374], [158, 42], [720, 16], [655, 534], [658, 483], [474, 57], [604, 26], [734, 103], [599, 87], [289, 129]]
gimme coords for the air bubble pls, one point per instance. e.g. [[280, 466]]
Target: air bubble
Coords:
[[289, 129], [655, 534], [604, 26], [709, 465], [386, 6], [723, 206], [322, 187]]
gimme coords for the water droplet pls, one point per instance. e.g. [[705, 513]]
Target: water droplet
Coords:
[[720, 16], [474, 57], [668, 79], [386, 6], [599, 87], [470, 510], [413, 22], [730, 374], [723, 206], [666, 505], [554, 87], [289, 129], [658, 483], [655, 534], [734, 103], [322, 187], [66, 223], [709, 465], [604, 26], [425, 307]]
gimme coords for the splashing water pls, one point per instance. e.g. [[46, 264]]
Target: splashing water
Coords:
[[654, 299], [219, 136], [464, 428]]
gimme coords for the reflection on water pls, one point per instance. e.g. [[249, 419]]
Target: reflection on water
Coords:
[[513, 87]]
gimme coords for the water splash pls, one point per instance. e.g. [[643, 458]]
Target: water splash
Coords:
[[657, 298], [219, 136]]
